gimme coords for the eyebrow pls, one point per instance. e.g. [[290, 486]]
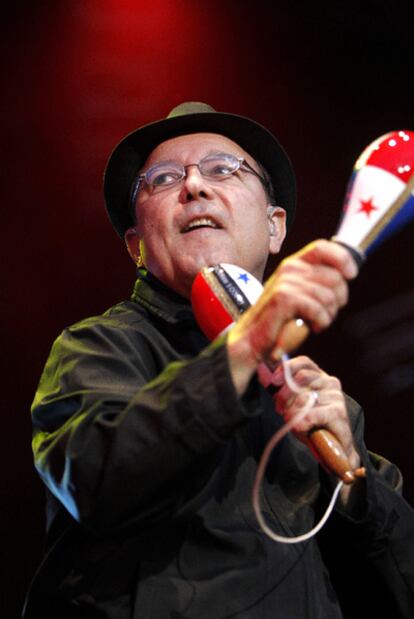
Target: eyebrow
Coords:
[[210, 152]]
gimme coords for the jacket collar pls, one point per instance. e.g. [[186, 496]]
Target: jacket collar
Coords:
[[160, 300]]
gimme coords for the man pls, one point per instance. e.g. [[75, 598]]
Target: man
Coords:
[[148, 437]]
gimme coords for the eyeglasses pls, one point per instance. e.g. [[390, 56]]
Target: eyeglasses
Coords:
[[215, 166]]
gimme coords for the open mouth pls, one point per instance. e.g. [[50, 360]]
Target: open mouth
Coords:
[[201, 222]]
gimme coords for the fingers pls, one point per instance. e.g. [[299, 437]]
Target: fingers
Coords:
[[326, 281], [329, 409], [332, 254], [302, 368], [313, 282], [301, 294]]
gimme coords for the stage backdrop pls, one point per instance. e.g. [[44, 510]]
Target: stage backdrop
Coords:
[[78, 75]]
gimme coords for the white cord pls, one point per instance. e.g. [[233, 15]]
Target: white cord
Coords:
[[313, 396]]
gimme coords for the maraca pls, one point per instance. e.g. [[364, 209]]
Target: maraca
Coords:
[[378, 202], [380, 196]]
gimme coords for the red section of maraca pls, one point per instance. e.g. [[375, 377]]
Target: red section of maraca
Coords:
[[209, 311], [394, 152]]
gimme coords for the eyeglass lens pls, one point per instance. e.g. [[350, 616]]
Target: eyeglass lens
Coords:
[[213, 166]]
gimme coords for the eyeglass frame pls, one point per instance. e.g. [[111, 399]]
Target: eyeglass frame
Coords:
[[241, 161]]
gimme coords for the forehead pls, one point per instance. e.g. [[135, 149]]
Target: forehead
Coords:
[[195, 145]]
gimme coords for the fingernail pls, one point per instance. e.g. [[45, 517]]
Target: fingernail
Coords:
[[351, 269]]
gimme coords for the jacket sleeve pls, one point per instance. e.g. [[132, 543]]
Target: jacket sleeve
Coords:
[[115, 444], [371, 557]]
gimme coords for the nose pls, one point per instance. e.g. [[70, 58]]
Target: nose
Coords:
[[195, 186]]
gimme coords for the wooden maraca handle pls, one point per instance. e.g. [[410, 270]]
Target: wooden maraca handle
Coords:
[[332, 455], [327, 447], [293, 333]]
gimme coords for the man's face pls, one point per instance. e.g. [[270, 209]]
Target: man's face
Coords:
[[236, 225]]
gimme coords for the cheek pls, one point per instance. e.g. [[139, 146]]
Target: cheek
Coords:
[[153, 228], [151, 223], [254, 223], [249, 201]]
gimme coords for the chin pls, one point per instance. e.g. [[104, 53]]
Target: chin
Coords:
[[195, 263]]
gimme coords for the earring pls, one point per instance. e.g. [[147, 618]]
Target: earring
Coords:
[[270, 210], [139, 262]]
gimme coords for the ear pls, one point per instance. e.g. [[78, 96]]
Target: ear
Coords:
[[277, 226], [132, 242]]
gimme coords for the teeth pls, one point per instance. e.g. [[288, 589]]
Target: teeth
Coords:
[[203, 221]]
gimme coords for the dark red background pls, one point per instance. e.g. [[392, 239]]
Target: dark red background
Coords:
[[77, 76]]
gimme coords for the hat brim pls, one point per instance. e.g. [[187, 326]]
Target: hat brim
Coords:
[[131, 153]]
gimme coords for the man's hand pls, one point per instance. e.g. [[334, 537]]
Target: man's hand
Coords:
[[311, 284], [329, 411]]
